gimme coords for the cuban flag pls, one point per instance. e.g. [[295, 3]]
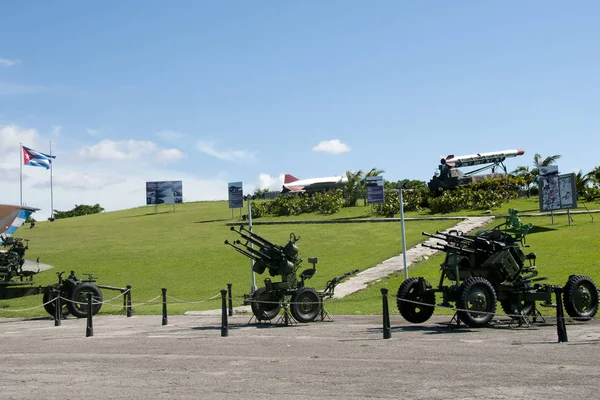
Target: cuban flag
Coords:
[[35, 158]]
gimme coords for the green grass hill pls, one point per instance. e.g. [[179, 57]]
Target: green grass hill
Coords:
[[184, 251]]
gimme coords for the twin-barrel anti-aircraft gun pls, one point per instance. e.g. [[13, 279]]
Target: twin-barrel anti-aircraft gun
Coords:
[[483, 269], [305, 303], [487, 268], [18, 282]]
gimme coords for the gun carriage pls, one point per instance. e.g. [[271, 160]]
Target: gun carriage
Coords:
[[15, 281], [487, 268], [305, 303]]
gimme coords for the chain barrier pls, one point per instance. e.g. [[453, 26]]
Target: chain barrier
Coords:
[[154, 301], [194, 301], [456, 309]]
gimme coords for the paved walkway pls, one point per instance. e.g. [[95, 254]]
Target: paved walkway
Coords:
[[413, 255]]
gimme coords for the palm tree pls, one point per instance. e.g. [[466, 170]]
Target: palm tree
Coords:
[[594, 176], [363, 183], [352, 189], [539, 162], [581, 182], [524, 173]]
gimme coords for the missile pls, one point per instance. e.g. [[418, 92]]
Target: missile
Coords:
[[479, 158]]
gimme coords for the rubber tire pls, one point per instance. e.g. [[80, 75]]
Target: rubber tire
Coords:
[[78, 295], [50, 308], [473, 288], [411, 312], [305, 305], [264, 311], [581, 298], [514, 309]]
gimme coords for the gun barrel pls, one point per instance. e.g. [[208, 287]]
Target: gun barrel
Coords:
[[252, 238], [459, 238], [254, 251], [257, 237], [242, 251]]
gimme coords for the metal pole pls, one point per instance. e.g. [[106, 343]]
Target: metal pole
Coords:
[[165, 319], [51, 187], [387, 331], [57, 310], [230, 299], [224, 327], [129, 310], [403, 235], [89, 329], [21, 170], [561, 326], [253, 288]]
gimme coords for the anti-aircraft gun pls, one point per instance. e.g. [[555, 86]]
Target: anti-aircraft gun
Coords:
[[305, 303], [15, 281], [486, 268]]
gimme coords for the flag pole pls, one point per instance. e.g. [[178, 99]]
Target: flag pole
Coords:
[[51, 188], [21, 172]]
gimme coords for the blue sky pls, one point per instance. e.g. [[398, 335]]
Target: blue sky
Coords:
[[215, 92]]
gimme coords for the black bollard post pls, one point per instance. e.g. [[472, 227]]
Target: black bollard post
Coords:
[[387, 331], [230, 299], [89, 329], [561, 325], [224, 327], [57, 310], [165, 320], [129, 310]]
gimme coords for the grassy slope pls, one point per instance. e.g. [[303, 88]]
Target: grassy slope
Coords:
[[184, 251], [561, 250]]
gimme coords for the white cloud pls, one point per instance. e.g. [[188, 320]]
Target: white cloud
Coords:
[[6, 62], [169, 155], [118, 150], [12, 135], [273, 183], [239, 156], [92, 132], [79, 180], [334, 146], [9, 174]]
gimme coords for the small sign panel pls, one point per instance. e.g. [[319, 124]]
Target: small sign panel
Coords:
[[558, 192], [164, 192], [236, 195], [375, 193]]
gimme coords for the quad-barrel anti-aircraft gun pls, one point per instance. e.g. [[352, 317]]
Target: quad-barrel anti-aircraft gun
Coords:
[[305, 303], [486, 268], [15, 281]]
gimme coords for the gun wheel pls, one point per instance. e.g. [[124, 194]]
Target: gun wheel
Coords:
[[413, 312], [50, 306], [581, 298], [78, 305], [305, 305], [264, 308], [476, 301]]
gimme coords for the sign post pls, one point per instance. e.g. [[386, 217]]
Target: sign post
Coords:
[[164, 192], [557, 192], [375, 194]]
